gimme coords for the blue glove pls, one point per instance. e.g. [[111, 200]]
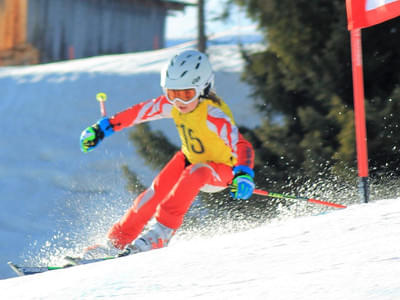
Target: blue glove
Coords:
[[92, 135], [242, 186]]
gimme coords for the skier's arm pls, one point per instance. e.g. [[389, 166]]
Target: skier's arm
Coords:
[[245, 153], [149, 110], [146, 111]]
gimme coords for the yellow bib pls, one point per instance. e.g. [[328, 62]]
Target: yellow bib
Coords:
[[199, 142]]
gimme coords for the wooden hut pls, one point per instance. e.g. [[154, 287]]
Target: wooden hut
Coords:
[[33, 31]]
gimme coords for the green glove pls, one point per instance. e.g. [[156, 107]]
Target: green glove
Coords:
[[94, 134], [90, 138]]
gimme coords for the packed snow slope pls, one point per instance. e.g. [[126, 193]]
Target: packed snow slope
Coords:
[[349, 254], [52, 195]]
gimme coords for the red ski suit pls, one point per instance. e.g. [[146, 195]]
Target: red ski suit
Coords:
[[211, 146]]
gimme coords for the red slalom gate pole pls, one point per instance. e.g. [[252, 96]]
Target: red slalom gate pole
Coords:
[[283, 196], [359, 113]]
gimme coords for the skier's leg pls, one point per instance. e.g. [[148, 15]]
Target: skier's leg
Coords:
[[171, 212], [173, 208], [144, 206]]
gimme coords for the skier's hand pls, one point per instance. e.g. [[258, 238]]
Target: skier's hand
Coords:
[[242, 186], [92, 135]]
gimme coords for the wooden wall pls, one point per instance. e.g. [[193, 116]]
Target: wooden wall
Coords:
[[12, 23], [80, 28], [53, 30], [14, 49]]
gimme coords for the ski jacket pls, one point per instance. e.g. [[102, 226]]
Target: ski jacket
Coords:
[[208, 133]]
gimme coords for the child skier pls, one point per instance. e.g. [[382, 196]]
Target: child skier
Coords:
[[213, 155]]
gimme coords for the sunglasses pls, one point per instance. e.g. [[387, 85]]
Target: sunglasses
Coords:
[[185, 96]]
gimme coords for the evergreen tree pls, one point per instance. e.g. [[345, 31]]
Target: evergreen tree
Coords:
[[303, 85]]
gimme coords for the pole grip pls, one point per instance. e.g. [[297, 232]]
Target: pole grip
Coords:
[[102, 97]]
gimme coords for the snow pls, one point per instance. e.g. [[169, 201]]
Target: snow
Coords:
[[345, 254], [56, 199]]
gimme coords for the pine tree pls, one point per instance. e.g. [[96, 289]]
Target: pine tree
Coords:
[[302, 83]]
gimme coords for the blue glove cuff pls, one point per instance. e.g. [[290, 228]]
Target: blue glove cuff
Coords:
[[106, 126], [243, 169]]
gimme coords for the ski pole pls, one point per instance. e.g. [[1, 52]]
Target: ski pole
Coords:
[[283, 196], [102, 97]]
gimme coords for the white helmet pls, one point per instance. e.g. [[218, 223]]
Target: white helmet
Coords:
[[186, 70]]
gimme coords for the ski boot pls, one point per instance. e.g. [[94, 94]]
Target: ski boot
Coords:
[[157, 237]]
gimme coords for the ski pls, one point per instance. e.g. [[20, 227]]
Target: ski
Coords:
[[71, 262], [81, 261], [25, 270]]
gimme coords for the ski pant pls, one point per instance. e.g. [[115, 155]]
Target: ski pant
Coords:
[[169, 197]]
